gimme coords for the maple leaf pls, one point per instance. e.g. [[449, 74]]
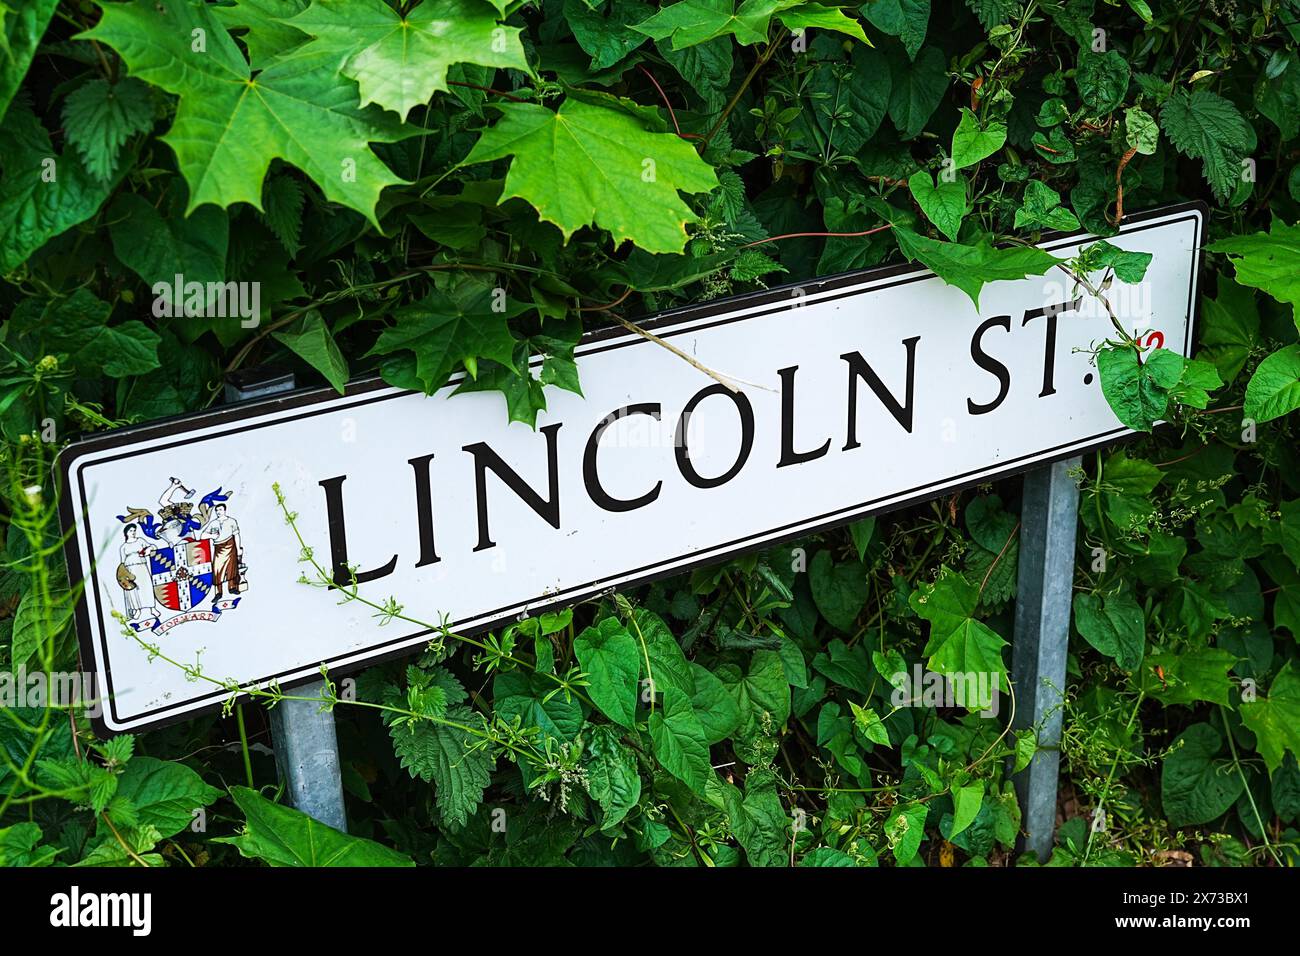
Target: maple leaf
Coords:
[[400, 61], [692, 22], [589, 164], [447, 329], [230, 124]]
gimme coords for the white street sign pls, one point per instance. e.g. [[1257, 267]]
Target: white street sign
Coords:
[[857, 394]]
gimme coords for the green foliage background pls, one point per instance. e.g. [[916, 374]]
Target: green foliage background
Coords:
[[383, 171]]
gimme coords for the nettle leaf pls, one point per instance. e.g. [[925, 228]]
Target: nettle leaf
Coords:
[[1269, 261], [1115, 626], [99, 117], [972, 142], [21, 27], [1275, 719], [958, 644], [1102, 79], [443, 755], [969, 267], [609, 656], [311, 340], [680, 743], [42, 194], [1041, 209], [1205, 126], [283, 836], [231, 123], [447, 330], [587, 164], [1196, 785], [400, 60], [692, 22], [1274, 388], [944, 203]]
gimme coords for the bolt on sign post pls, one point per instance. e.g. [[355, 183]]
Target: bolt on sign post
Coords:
[[844, 397]]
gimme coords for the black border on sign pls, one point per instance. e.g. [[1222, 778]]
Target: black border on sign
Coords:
[[601, 340]]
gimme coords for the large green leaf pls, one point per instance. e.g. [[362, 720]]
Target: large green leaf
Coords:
[[959, 644], [1114, 625], [447, 330], [1138, 387], [164, 794], [612, 778], [972, 142], [1274, 389], [1229, 328], [969, 267], [690, 22], [909, 20], [400, 60], [840, 589], [1275, 719], [1196, 785], [311, 340], [1267, 260], [22, 24], [230, 124], [282, 836], [916, 89], [588, 164], [680, 743], [612, 661], [944, 203], [42, 194], [762, 695]]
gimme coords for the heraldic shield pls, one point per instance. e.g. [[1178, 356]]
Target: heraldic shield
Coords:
[[180, 563], [182, 574]]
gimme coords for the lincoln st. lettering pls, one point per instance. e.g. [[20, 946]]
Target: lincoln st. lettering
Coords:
[[898, 401]]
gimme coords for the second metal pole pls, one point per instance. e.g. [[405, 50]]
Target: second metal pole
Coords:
[[1048, 519]]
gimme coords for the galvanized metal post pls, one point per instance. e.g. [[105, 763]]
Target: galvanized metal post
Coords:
[[1048, 517], [306, 746]]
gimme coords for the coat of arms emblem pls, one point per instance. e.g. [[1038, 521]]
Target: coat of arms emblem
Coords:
[[182, 563]]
